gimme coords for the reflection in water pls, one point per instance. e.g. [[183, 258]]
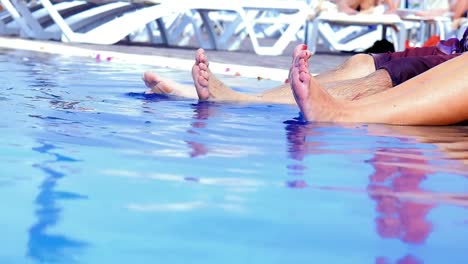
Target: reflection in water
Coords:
[[298, 146], [408, 259], [396, 171], [44, 247], [203, 111], [297, 134], [399, 218]]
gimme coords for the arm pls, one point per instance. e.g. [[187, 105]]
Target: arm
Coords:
[[458, 7]]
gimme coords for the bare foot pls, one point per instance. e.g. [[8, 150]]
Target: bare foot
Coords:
[[299, 78], [159, 85], [313, 100], [208, 87], [201, 75]]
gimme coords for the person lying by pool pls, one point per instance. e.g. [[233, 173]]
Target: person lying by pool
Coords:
[[438, 96], [210, 88], [352, 7], [360, 76]]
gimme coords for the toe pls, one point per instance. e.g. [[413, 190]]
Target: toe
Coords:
[[203, 81], [204, 74], [298, 50], [197, 56], [303, 66], [200, 57], [203, 66], [203, 58], [146, 76], [303, 76]]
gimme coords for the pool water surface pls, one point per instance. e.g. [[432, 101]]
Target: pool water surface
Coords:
[[95, 171]]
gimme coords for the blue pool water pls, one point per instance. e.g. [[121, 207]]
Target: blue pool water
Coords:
[[93, 171]]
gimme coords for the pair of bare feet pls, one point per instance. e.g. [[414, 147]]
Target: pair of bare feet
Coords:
[[314, 101]]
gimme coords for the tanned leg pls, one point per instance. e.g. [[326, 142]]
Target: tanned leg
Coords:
[[354, 79], [355, 89], [437, 97], [357, 66]]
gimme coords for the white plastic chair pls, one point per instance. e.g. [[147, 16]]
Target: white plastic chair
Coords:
[[322, 27], [122, 19], [242, 19]]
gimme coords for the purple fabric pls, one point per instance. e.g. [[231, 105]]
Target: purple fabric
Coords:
[[454, 45], [403, 69], [449, 46], [404, 65]]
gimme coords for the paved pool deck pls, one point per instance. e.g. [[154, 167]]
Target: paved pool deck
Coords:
[[243, 63]]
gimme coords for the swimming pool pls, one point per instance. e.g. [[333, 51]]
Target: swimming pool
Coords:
[[94, 171]]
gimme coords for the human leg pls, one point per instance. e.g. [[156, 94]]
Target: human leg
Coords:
[[202, 78], [356, 89], [352, 79], [356, 78], [357, 66], [436, 97]]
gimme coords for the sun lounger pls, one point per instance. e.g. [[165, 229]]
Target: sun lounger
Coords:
[[12, 22], [110, 22], [6, 18], [322, 27], [83, 20], [426, 26], [31, 21], [104, 23], [98, 34], [244, 19]]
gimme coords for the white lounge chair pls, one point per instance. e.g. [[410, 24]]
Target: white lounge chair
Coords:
[[322, 27], [112, 30], [426, 26], [121, 21], [245, 19], [99, 24], [226, 25], [29, 20], [12, 22]]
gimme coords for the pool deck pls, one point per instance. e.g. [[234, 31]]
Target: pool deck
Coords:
[[241, 63]]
